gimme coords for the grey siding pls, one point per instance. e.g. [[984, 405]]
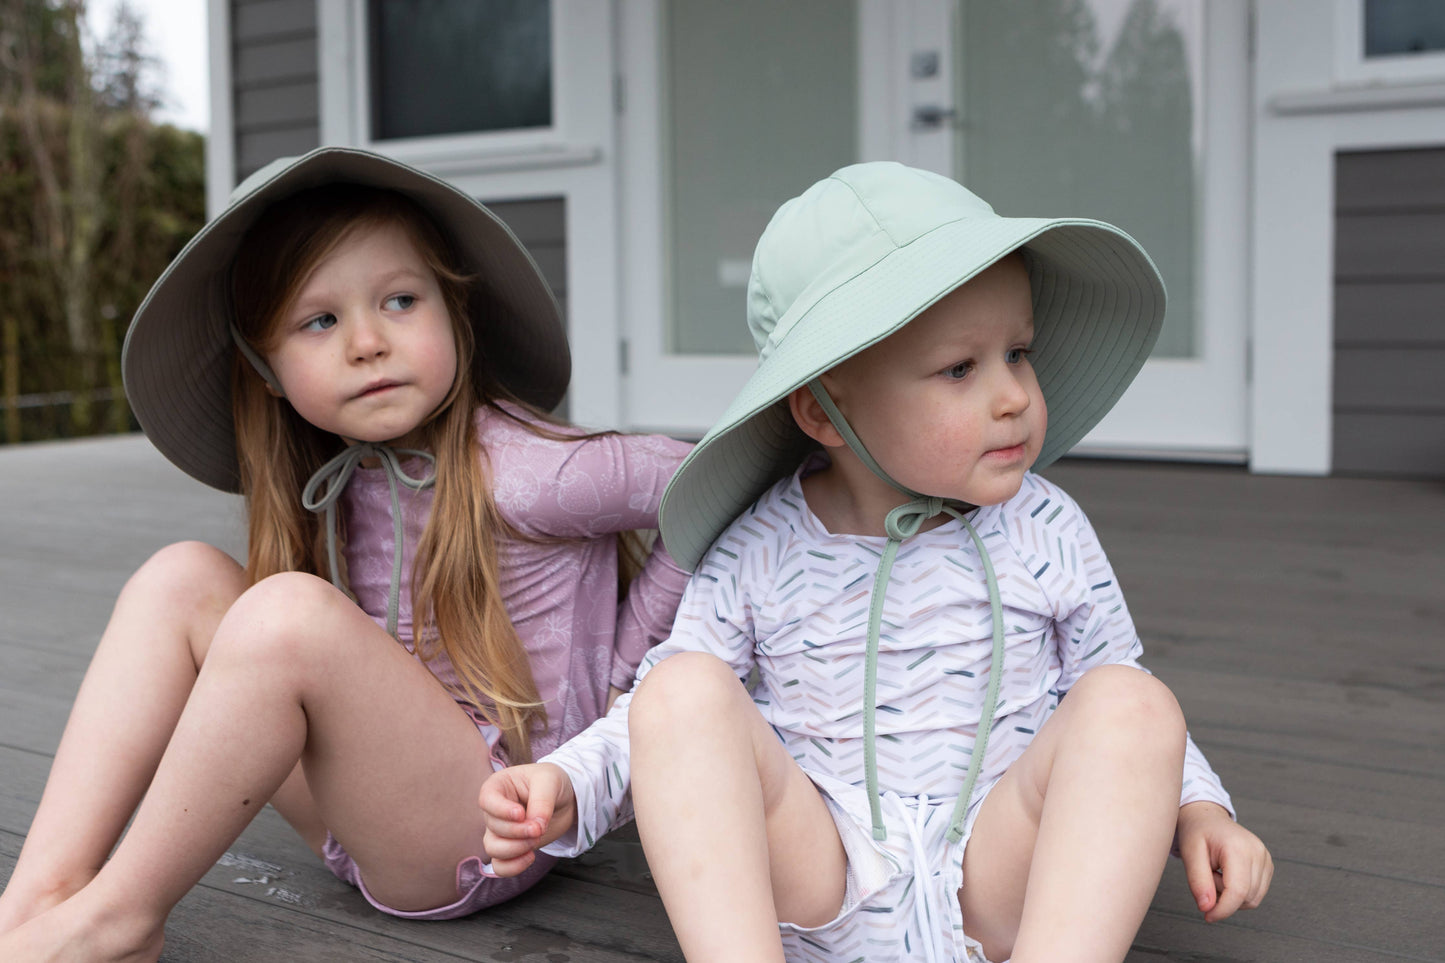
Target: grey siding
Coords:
[[274, 80], [1389, 317], [540, 224]]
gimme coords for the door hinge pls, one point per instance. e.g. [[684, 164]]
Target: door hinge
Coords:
[[622, 359], [619, 93]]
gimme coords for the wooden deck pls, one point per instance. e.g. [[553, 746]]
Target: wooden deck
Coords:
[[1300, 621]]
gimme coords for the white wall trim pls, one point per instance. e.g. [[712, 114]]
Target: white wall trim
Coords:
[[1341, 100], [221, 139], [334, 69]]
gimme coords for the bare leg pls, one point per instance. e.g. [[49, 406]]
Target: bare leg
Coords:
[[133, 693], [736, 835], [295, 672], [1069, 846]]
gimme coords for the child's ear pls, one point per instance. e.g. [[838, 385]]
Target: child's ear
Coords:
[[812, 419]]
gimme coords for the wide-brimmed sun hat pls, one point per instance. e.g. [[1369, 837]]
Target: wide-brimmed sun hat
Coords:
[[863, 252], [178, 352]]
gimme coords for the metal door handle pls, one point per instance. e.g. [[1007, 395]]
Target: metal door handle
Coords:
[[932, 116]]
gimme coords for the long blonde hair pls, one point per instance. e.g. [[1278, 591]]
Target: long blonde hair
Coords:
[[455, 578]]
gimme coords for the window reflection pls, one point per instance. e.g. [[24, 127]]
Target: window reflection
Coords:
[[1090, 108], [459, 66], [1403, 27]]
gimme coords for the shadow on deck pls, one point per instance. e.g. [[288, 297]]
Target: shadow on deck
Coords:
[[1299, 621]]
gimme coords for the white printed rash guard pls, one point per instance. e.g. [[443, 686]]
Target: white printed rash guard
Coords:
[[780, 593]]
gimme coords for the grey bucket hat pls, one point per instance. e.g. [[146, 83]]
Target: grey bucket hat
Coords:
[[859, 255], [176, 362]]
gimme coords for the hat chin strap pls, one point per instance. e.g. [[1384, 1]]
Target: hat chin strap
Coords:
[[901, 523], [256, 361]]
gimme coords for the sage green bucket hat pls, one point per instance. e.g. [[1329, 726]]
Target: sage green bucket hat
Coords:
[[860, 254], [178, 352]]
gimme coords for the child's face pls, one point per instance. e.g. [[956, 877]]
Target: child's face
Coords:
[[949, 405], [366, 350]]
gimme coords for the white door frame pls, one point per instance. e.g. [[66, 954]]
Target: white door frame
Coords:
[[573, 159], [682, 394]]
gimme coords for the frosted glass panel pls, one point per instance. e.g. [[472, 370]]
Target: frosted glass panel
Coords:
[[760, 100], [1091, 108], [458, 66]]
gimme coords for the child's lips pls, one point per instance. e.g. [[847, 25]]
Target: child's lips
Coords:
[[377, 387], [1010, 453]]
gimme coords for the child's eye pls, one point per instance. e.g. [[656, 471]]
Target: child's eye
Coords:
[[1017, 355], [399, 302], [959, 371], [322, 322]]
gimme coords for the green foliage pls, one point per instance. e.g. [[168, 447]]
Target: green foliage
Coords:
[[95, 200]]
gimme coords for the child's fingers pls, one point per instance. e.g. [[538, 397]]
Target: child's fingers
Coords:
[[1199, 872], [499, 807], [506, 847], [1237, 887], [539, 810], [1263, 875], [512, 867], [498, 800]]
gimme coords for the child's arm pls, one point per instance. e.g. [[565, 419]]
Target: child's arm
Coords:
[[1093, 626], [1097, 630], [608, 484], [715, 617], [645, 614]]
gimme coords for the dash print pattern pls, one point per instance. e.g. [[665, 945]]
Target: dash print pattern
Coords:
[[780, 593]]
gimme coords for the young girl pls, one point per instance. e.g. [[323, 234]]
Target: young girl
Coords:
[[951, 752], [382, 417]]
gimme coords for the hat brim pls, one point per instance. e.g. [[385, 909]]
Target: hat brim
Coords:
[[176, 362], [1098, 307]]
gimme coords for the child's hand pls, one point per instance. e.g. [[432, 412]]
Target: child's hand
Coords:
[[1227, 866], [526, 807]]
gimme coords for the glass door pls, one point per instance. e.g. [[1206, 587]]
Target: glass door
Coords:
[[721, 121], [1132, 112]]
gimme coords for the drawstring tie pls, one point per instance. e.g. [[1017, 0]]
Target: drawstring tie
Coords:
[[331, 479], [901, 523], [928, 916]]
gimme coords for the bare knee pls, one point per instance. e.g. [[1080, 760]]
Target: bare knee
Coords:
[[1132, 705], [680, 693], [292, 622], [181, 592], [188, 575]]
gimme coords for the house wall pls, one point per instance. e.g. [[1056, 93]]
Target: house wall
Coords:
[[273, 110], [1307, 113], [1389, 339]]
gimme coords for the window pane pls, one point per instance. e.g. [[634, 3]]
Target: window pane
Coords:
[[1091, 108], [1403, 27], [459, 66], [752, 116]]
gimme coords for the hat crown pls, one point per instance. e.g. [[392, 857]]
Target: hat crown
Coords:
[[840, 227]]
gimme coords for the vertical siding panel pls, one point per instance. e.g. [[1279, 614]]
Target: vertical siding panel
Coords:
[[1389, 336], [274, 77]]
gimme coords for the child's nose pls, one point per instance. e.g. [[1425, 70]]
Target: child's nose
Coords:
[[368, 338], [1013, 396]]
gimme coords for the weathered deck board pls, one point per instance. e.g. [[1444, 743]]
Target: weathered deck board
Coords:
[[1298, 620]]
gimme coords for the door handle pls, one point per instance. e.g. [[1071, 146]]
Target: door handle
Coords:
[[932, 117]]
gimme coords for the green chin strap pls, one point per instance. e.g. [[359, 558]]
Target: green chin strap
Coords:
[[901, 523]]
